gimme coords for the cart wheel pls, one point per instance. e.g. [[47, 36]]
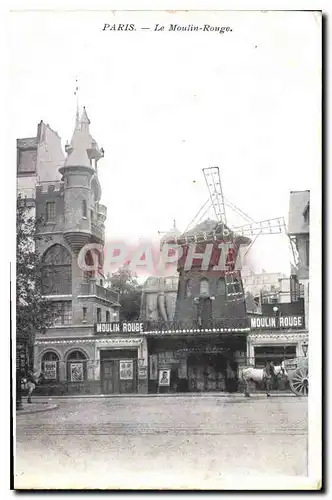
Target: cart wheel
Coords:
[[299, 383]]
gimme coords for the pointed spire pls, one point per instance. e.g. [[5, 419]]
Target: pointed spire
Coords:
[[76, 93], [77, 120], [85, 122]]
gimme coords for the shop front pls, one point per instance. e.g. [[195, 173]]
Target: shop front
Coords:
[[276, 339], [194, 364], [112, 364]]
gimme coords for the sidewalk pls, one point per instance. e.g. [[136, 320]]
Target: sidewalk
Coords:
[[169, 395], [36, 407]]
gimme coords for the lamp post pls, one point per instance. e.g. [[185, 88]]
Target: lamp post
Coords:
[[305, 348]]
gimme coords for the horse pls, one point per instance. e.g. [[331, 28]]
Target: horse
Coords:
[[29, 383], [253, 374]]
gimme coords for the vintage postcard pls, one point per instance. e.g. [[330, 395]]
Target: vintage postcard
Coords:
[[167, 327]]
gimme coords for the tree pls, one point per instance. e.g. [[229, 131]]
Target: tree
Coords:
[[127, 286], [33, 312]]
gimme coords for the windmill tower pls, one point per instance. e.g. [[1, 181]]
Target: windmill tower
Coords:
[[210, 286]]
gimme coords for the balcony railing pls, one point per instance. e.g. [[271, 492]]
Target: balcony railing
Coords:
[[104, 293], [101, 209]]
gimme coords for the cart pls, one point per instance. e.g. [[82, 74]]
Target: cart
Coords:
[[297, 370]]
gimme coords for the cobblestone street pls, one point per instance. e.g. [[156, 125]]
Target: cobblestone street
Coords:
[[161, 442]]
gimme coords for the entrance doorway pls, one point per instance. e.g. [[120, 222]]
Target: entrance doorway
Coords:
[[118, 372], [211, 372]]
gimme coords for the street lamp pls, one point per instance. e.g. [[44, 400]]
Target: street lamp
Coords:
[[305, 348]]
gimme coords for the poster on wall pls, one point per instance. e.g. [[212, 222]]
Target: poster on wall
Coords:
[[142, 372], [50, 370], [153, 367], [126, 369], [142, 369], [76, 372], [164, 378]]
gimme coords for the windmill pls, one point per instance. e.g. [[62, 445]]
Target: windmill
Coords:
[[217, 201], [215, 230]]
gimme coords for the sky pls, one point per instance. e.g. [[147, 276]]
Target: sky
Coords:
[[165, 105]]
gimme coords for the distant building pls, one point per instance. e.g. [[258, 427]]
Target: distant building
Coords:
[[38, 160], [299, 232], [258, 285], [159, 298]]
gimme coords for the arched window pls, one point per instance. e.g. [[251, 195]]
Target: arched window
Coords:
[[50, 366], [221, 287], [189, 288], [56, 271], [204, 287], [76, 366]]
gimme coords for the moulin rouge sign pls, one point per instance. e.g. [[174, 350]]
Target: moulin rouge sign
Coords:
[[119, 327], [273, 322]]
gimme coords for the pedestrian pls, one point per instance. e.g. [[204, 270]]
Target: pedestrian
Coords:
[[31, 384]]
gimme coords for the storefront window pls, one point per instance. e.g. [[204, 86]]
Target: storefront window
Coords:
[[273, 353]]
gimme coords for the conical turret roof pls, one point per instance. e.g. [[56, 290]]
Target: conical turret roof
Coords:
[[83, 146], [77, 153]]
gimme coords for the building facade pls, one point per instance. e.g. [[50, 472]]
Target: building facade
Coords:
[[281, 331], [203, 345], [194, 332], [38, 160], [65, 193], [299, 233]]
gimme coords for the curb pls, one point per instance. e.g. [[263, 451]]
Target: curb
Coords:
[[47, 407]]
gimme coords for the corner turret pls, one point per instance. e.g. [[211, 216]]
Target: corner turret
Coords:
[[84, 216]]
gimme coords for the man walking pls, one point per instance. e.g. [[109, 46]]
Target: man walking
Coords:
[[31, 384]]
